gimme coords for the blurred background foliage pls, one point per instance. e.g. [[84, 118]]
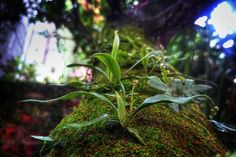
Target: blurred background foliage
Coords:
[[84, 27], [90, 25]]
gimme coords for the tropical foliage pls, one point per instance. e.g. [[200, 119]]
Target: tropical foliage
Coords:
[[123, 101]]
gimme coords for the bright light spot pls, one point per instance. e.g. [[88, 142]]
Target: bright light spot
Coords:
[[235, 80], [228, 44], [136, 3], [201, 21], [68, 5], [213, 42], [222, 56], [214, 34], [223, 18], [43, 52]]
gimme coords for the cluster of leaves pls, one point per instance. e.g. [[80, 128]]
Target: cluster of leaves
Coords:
[[178, 88], [122, 101]]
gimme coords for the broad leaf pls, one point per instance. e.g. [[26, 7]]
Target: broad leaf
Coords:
[[121, 111], [42, 138], [135, 133], [115, 47], [111, 65], [156, 83], [162, 98], [86, 123]]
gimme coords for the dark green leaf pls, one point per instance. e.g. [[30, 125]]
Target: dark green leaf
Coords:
[[86, 123], [111, 64], [80, 65]]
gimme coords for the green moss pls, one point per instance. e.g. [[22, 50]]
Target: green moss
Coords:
[[165, 132]]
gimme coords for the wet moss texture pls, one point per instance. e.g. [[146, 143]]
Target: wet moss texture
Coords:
[[165, 132]]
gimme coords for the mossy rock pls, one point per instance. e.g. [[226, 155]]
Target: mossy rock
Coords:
[[165, 132]]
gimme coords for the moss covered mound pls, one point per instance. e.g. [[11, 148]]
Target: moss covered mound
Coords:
[[166, 133]]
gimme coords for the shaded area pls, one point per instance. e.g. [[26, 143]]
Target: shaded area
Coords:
[[19, 121]]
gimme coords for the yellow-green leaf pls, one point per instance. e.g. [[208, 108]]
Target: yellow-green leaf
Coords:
[[121, 111]]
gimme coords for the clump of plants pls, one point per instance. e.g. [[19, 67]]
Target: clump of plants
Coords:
[[137, 111]]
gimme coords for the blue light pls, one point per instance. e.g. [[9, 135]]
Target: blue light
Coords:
[[223, 18], [221, 23]]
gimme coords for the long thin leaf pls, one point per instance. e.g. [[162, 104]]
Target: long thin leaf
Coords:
[[80, 65], [115, 46], [73, 84], [135, 133], [140, 60], [71, 96], [101, 97], [162, 98], [42, 138], [121, 111], [110, 63], [86, 123]]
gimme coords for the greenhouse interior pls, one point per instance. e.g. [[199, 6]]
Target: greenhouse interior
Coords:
[[118, 78]]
